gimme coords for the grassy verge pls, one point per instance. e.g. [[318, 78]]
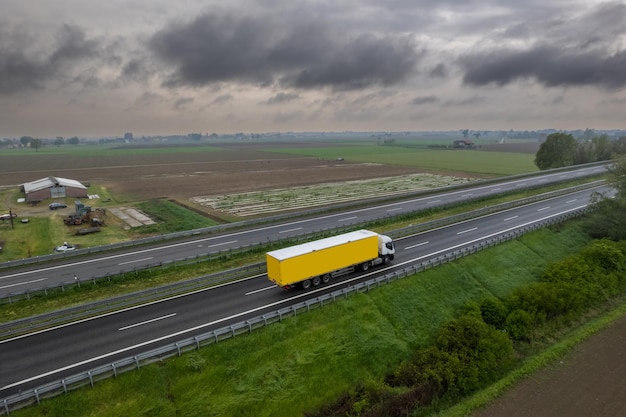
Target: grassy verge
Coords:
[[307, 361]]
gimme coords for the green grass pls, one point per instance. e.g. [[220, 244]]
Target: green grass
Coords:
[[170, 218], [304, 362], [470, 161]]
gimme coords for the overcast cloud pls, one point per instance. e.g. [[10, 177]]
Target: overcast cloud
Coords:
[[76, 67]]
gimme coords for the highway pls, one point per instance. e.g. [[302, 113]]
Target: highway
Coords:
[[31, 360], [50, 275]]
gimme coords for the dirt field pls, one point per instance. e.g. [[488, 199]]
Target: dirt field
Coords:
[[590, 381]]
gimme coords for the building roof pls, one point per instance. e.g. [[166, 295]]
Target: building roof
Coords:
[[49, 182]]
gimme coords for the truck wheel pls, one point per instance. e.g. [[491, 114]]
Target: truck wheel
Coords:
[[386, 260], [365, 266], [306, 284], [316, 281], [326, 278]]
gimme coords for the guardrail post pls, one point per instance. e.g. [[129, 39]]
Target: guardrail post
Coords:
[[178, 347], [114, 369], [90, 378], [64, 386], [36, 391], [6, 407]]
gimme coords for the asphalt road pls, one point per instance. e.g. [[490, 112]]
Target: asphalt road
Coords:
[[97, 265], [29, 361]]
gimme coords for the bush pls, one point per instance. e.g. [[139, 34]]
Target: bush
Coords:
[[518, 324], [493, 312]]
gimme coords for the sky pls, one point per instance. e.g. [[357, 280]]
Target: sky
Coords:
[[156, 67]]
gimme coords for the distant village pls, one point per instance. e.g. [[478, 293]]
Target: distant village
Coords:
[[459, 138]]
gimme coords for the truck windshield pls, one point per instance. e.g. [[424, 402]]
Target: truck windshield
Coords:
[[389, 245]]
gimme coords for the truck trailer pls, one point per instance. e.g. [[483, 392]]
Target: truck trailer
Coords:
[[313, 263]]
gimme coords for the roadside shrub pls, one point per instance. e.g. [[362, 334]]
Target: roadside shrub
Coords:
[[493, 312], [518, 324]]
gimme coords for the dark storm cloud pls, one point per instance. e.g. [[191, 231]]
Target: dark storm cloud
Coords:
[[282, 98], [305, 54], [566, 51], [22, 69], [550, 66]]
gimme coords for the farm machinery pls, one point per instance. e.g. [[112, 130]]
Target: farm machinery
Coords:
[[84, 215]]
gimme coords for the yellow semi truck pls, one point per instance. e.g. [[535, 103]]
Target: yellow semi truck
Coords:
[[313, 263]]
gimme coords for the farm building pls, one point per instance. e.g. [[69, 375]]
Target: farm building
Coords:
[[52, 187], [463, 143]]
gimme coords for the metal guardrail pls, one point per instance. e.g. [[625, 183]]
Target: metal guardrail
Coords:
[[27, 294], [49, 390], [279, 217]]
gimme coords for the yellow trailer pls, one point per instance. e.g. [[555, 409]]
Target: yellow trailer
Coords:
[[313, 263]]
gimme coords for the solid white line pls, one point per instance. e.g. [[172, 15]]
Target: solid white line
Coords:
[[146, 322], [510, 218], [348, 218], [221, 244], [290, 230], [24, 283], [137, 260], [543, 208], [261, 290], [468, 230], [414, 246]]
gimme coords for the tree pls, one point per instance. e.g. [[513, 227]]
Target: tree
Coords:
[[558, 150], [35, 143], [25, 140], [59, 141], [73, 141]]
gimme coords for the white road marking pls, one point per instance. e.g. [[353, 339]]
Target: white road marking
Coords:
[[510, 218], [146, 322], [290, 230], [24, 283], [136, 260], [221, 244], [467, 195], [415, 246], [468, 230], [543, 208], [433, 202], [571, 201], [395, 209], [347, 218], [261, 290]]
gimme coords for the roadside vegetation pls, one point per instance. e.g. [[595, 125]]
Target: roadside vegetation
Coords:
[[362, 354]]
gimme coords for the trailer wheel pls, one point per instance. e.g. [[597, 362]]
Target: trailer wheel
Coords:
[[316, 281], [365, 266], [306, 284], [326, 278]]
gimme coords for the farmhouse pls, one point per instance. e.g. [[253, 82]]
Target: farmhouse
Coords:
[[463, 143], [52, 187]]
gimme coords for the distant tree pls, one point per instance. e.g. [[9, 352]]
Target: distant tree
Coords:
[[465, 132], [619, 146], [25, 140], [59, 141], [73, 141], [35, 143], [558, 150]]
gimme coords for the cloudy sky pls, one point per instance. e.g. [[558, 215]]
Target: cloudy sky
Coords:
[[102, 68]]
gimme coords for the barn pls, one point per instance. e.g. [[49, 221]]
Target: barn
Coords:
[[52, 187]]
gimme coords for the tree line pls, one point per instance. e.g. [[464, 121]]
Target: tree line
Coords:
[[562, 149]]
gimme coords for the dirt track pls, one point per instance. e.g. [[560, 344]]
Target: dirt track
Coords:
[[588, 382]]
